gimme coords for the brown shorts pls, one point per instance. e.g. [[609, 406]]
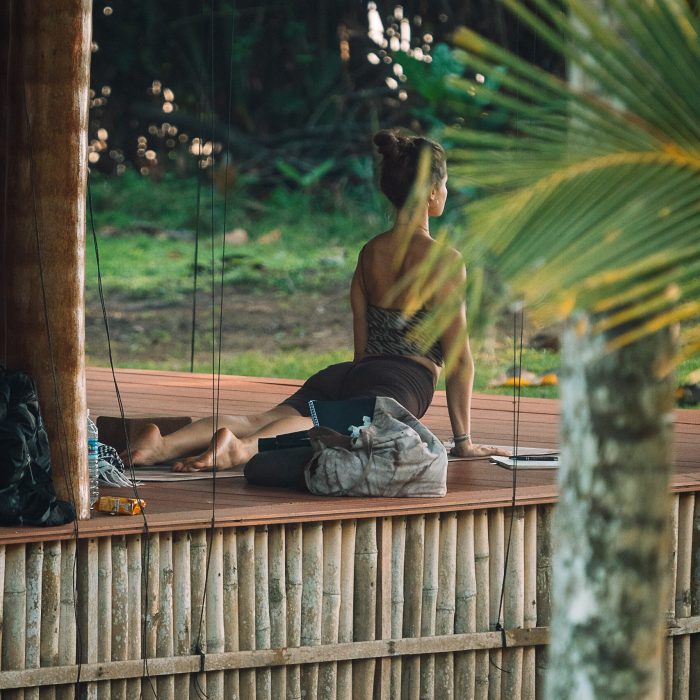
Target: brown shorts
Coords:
[[403, 379]]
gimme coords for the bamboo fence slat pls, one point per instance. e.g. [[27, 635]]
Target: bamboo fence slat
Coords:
[[544, 590], [134, 617], [483, 597], [278, 605], [413, 597], [165, 643], [104, 614], [246, 605], [182, 606], [15, 607], [2, 607], [88, 605], [695, 602], [496, 564], [293, 583], [465, 603], [398, 551], [120, 606], [198, 609], [263, 679], [150, 591], [431, 550], [671, 609], [681, 645], [311, 601], [50, 610], [365, 603], [35, 557], [215, 610], [384, 586], [330, 612], [231, 686], [345, 616], [446, 602], [530, 599], [514, 604]]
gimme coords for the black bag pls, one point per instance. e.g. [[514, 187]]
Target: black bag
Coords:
[[27, 495]]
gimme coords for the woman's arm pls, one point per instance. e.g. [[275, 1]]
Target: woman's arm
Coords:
[[358, 303], [459, 377]]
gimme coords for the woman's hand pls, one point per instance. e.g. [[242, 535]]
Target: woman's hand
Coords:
[[469, 449]]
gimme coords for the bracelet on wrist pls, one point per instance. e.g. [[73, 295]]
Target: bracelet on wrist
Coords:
[[462, 438]]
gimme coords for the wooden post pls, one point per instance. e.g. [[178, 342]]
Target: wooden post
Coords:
[[345, 619], [43, 93]]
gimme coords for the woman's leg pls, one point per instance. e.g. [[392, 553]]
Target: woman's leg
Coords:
[[150, 447], [228, 451]]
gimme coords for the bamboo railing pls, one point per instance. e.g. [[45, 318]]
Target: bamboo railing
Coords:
[[380, 607]]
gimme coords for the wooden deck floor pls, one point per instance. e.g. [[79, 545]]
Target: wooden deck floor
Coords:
[[188, 504]]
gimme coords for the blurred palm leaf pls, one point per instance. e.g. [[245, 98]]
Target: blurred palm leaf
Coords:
[[592, 202]]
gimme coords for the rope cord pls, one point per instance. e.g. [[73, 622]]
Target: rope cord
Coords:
[[62, 438], [146, 549]]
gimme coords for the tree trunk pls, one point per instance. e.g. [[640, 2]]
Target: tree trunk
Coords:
[[611, 528], [45, 67]]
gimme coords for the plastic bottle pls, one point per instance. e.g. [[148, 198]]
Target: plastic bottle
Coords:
[[93, 460]]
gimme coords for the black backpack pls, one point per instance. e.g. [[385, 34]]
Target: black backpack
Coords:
[[27, 495]]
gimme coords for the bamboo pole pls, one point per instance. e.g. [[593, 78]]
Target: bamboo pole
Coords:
[[293, 583], [104, 613], [165, 636], [671, 609], [530, 599], [262, 610], [35, 562], [278, 605], [182, 606], [198, 612], [544, 590], [215, 611], [330, 612], [415, 548], [246, 605], [88, 605], [345, 613], [496, 562], [231, 643], [513, 602], [134, 619], [681, 645], [465, 604], [50, 610], [483, 597], [384, 587], [446, 603], [2, 602], [431, 552], [398, 551], [120, 606], [365, 602], [150, 591], [67, 624], [311, 602], [46, 75], [695, 602], [15, 613]]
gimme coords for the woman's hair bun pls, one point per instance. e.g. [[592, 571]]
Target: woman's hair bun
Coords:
[[387, 142]]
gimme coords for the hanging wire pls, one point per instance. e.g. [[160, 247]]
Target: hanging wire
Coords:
[[146, 550]]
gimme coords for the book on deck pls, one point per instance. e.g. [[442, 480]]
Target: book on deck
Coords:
[[340, 415]]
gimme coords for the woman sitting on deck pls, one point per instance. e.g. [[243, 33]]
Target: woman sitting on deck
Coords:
[[387, 360]]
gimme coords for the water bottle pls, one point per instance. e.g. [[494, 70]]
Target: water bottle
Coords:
[[93, 459]]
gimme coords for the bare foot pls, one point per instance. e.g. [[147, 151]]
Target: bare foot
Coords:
[[226, 451], [147, 448]]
